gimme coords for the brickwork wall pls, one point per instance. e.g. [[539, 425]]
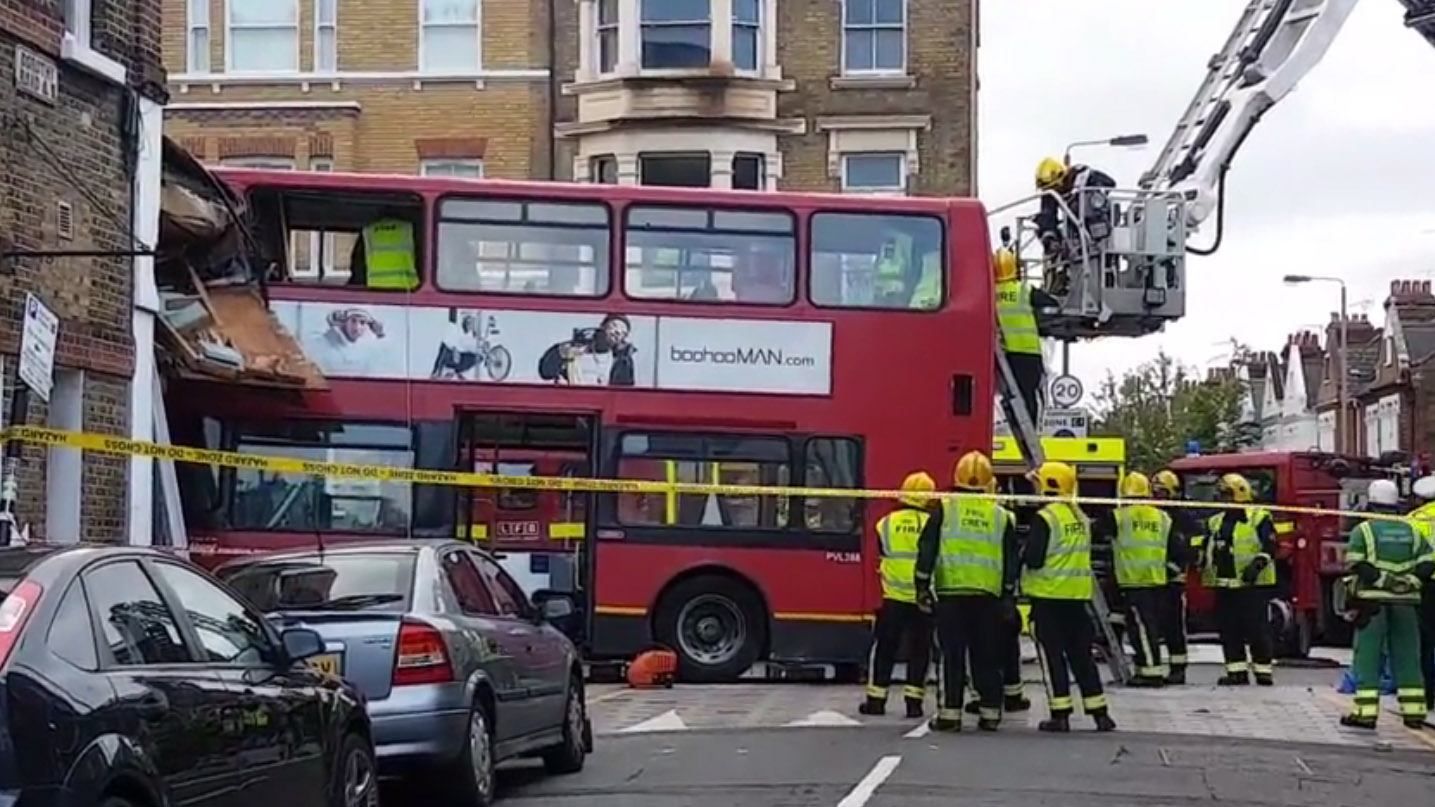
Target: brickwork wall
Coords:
[[77, 150], [940, 60], [378, 36]]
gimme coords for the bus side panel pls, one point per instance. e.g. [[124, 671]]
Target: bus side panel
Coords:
[[813, 599]]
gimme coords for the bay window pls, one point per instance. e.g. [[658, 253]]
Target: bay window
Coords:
[[676, 33]]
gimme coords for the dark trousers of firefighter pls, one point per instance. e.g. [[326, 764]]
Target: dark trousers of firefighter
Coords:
[[1243, 622], [1029, 369], [896, 620], [1143, 624], [969, 627], [1008, 657], [1173, 624], [1427, 646], [1011, 659], [1064, 634]]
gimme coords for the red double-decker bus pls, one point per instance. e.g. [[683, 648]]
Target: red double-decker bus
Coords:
[[620, 332]]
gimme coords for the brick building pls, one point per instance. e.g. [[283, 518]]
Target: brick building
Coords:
[[453, 87], [81, 84], [1394, 399], [872, 96]]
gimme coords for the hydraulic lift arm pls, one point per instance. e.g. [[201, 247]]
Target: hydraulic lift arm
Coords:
[[1275, 43], [1121, 268]]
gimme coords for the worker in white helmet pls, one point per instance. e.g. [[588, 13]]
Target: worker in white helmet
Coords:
[[1424, 516]]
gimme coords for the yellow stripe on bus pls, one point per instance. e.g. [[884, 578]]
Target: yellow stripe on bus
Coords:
[[566, 530]]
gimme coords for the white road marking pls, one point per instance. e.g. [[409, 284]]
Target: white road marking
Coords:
[[862, 793], [923, 729], [825, 717], [667, 721]]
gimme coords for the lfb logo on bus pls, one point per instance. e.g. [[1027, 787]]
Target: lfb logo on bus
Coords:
[[527, 530]]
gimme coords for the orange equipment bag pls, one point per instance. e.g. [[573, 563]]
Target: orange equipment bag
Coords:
[[657, 667]]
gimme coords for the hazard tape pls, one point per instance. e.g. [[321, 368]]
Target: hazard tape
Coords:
[[122, 446]]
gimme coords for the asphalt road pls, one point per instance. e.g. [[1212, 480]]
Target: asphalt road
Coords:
[[877, 767]]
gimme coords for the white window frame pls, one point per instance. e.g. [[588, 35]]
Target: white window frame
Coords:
[[612, 27], [427, 167], [76, 44], [229, 42], [874, 26], [477, 40], [197, 19], [709, 23], [266, 163], [319, 27], [321, 165], [876, 191], [757, 52]]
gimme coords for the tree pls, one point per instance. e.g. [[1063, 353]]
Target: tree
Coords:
[[1160, 406]]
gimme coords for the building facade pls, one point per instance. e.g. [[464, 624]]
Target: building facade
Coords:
[[81, 88], [438, 87], [862, 96]]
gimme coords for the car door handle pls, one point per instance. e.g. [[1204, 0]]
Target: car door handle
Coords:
[[152, 705]]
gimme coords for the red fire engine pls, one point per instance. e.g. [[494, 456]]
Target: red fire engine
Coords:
[[1311, 552]]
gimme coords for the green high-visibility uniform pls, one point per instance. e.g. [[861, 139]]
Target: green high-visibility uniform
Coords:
[[389, 256], [1392, 549]]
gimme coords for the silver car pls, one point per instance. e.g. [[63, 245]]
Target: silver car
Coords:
[[460, 670]]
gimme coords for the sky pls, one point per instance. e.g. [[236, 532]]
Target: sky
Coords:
[[1338, 179]]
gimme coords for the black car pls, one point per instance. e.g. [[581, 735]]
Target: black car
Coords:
[[130, 678]]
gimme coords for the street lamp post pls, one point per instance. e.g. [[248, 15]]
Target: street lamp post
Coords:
[[1119, 141], [1342, 356]]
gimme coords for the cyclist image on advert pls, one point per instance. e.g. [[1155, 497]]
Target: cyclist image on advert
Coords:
[[468, 350], [600, 356]]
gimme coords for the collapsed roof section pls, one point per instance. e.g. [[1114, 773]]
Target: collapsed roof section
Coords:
[[215, 323]]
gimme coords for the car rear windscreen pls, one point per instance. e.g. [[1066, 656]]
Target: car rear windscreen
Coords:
[[379, 581]]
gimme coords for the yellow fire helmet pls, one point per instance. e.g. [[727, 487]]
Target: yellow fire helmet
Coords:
[[1166, 483], [1135, 486], [1004, 266], [1049, 173], [973, 472], [1235, 487], [918, 482], [1055, 479]]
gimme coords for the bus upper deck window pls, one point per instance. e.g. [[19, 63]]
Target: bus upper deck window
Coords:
[[523, 247], [869, 260], [712, 256]]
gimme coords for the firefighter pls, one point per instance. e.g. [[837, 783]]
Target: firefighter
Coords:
[[1017, 307], [1014, 697], [1141, 552], [899, 615], [1424, 516], [967, 562], [1086, 194], [1184, 534], [1059, 583], [1239, 566], [1390, 561]]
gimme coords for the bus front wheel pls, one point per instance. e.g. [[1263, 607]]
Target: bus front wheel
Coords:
[[716, 625]]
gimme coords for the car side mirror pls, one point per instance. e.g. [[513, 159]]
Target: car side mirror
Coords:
[[553, 605], [301, 643]]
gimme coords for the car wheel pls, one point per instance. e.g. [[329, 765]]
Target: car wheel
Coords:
[[717, 625], [569, 756], [471, 781], [356, 781]]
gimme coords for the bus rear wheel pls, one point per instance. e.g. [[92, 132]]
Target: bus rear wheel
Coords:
[[716, 625]]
